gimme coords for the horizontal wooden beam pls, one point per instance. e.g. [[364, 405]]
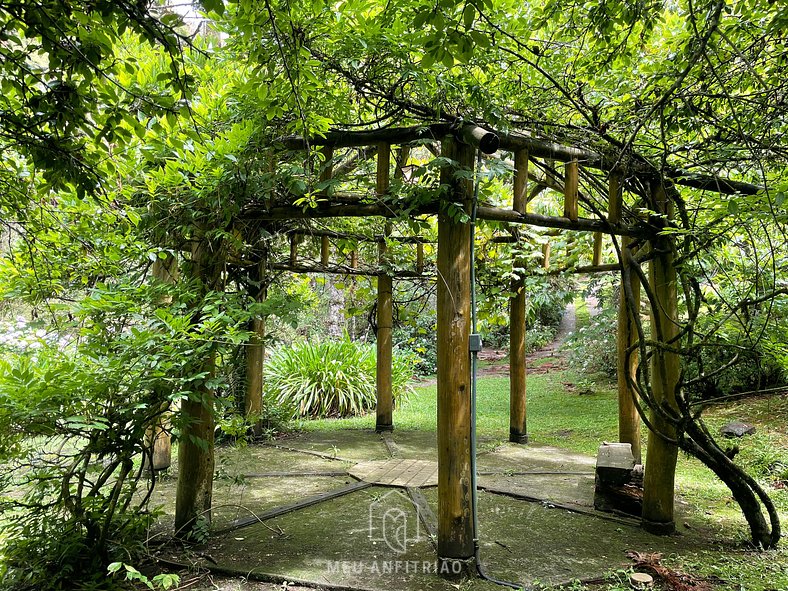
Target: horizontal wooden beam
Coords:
[[609, 268], [490, 141], [483, 212], [359, 237], [712, 183], [544, 221], [538, 148], [344, 270], [368, 137], [487, 141]]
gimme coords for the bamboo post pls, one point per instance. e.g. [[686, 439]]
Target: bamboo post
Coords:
[[626, 335], [455, 510], [293, 249], [325, 251], [571, 181], [596, 258], [546, 255], [327, 169], [385, 399], [660, 470], [195, 445], [419, 258], [326, 173], [352, 292], [402, 162], [616, 196], [520, 198], [518, 432], [157, 435], [255, 356]]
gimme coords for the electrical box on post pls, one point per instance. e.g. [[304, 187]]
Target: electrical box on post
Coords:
[[475, 343]]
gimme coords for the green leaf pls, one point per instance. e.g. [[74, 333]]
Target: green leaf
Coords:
[[468, 14], [216, 6]]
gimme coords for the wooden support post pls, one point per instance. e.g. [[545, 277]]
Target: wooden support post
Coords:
[[616, 196], [157, 436], [293, 249], [546, 255], [520, 198], [255, 355], [195, 445], [326, 173], [518, 433], [327, 169], [419, 258], [352, 293], [571, 181], [626, 335], [596, 258], [385, 398], [325, 251], [660, 471], [455, 509], [402, 162]]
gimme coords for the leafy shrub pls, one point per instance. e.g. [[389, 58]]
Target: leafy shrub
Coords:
[[754, 369], [764, 457], [418, 338], [547, 298], [538, 336], [329, 378], [592, 347]]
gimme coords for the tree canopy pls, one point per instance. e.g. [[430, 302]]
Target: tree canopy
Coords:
[[129, 140]]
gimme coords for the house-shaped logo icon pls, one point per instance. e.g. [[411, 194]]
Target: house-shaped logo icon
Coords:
[[394, 519]]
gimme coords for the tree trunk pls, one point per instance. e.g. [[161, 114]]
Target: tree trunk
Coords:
[[195, 446], [660, 471], [158, 441]]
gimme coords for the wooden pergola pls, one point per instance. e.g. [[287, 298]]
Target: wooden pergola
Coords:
[[459, 144]]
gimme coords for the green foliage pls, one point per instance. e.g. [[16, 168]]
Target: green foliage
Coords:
[[417, 336], [766, 457], [592, 347], [547, 298], [161, 581], [329, 378], [62, 104], [538, 337]]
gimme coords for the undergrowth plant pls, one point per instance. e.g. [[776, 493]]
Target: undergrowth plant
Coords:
[[330, 378]]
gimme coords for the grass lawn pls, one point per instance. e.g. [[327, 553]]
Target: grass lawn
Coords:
[[580, 418]]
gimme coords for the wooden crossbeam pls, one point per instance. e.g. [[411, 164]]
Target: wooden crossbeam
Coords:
[[360, 237], [482, 212], [343, 270], [537, 148]]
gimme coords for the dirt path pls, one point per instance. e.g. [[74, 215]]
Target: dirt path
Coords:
[[494, 362]]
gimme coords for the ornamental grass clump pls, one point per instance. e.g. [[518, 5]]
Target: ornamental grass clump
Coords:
[[330, 378]]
